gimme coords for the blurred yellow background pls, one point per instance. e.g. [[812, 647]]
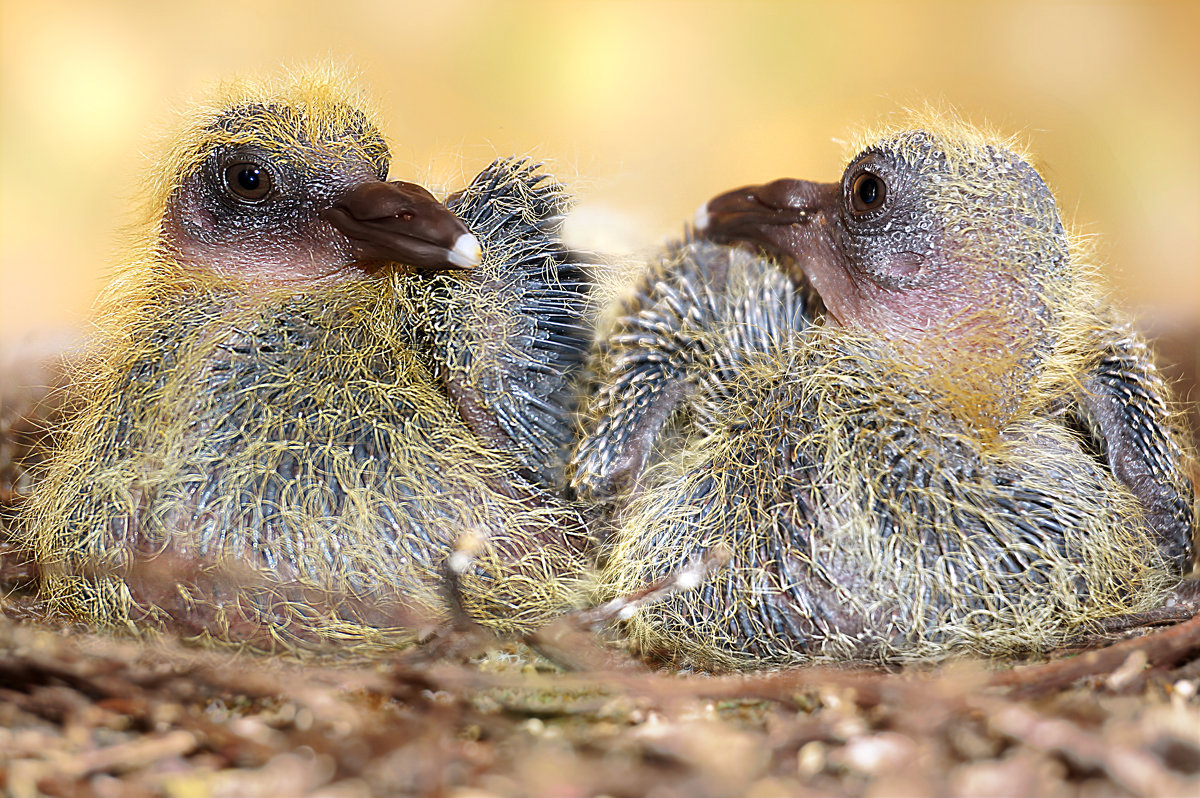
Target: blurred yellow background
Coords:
[[645, 108]]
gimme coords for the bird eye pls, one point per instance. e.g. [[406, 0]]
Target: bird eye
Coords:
[[867, 192], [248, 180]]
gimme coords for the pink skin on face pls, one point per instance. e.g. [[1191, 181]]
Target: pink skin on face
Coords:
[[287, 233]]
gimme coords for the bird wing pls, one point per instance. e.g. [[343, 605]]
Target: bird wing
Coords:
[[1123, 410], [686, 329], [510, 338]]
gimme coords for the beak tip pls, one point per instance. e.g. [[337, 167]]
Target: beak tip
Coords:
[[701, 219], [466, 252]]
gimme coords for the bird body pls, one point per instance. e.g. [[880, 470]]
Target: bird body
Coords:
[[884, 428], [275, 388]]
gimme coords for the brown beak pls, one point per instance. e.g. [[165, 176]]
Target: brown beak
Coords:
[[764, 215], [403, 223]]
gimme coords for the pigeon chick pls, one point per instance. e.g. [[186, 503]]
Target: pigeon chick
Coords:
[[331, 380], [917, 433]]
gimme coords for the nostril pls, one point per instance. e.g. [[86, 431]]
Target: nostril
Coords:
[[379, 202], [774, 203], [752, 198]]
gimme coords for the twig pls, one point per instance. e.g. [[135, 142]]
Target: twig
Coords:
[[1163, 648], [571, 642]]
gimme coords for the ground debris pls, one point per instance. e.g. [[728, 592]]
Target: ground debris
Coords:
[[87, 715]]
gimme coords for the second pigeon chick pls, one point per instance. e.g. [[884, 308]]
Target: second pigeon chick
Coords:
[[915, 434]]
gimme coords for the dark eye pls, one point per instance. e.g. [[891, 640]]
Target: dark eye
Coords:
[[867, 192], [248, 180]]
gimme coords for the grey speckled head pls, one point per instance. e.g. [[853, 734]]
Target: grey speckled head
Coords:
[[949, 250], [275, 192]]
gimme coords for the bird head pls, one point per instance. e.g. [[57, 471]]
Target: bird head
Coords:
[[286, 185], [941, 243]]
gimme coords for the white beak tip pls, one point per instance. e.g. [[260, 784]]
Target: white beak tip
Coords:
[[466, 253], [701, 219]]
